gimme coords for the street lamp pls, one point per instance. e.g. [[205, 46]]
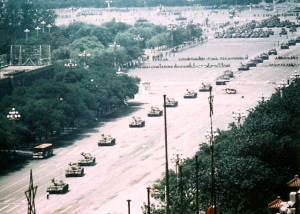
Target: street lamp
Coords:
[[84, 54], [26, 32], [43, 23], [49, 27], [262, 98], [177, 159], [37, 30], [70, 65], [280, 87], [148, 200], [108, 3], [295, 75], [114, 46], [13, 115], [172, 28], [138, 39], [238, 116]]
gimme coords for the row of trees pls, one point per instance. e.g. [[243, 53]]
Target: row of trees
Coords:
[[253, 162]]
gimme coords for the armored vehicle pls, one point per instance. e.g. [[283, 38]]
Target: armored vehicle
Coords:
[[155, 112], [272, 52], [74, 170], [190, 94], [206, 87], [230, 91], [228, 73], [264, 56], [258, 59], [136, 122], [57, 187], [243, 68], [292, 42], [87, 160], [251, 63], [284, 46], [221, 82], [171, 102], [106, 140]]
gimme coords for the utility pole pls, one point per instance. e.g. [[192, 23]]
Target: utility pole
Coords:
[[30, 195]]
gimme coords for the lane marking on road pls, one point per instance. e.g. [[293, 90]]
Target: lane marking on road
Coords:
[[56, 208], [64, 210], [4, 207], [16, 206], [77, 210]]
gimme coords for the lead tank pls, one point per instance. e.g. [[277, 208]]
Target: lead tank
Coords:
[[57, 187]]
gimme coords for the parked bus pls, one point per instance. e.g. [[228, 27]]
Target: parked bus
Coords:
[[43, 151]]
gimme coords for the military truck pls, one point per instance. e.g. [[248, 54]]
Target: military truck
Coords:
[[205, 87], [155, 112], [87, 160], [106, 140], [171, 102], [74, 170], [136, 122], [57, 187], [190, 94]]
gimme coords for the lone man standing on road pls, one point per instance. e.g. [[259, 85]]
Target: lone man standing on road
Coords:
[[47, 195]]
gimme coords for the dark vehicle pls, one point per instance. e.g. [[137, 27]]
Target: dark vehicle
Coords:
[[137, 122], [57, 187], [106, 140], [205, 87], [283, 32], [292, 42], [74, 170], [243, 68], [155, 112], [171, 102], [258, 59], [230, 91], [284, 46], [221, 82], [264, 56], [190, 94], [272, 52], [87, 160], [42, 151], [251, 63]]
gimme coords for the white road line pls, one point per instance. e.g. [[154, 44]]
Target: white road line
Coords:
[[76, 210], [4, 207], [64, 210], [8, 211], [56, 208], [7, 201]]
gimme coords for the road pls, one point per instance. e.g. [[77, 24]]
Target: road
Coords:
[[125, 170]]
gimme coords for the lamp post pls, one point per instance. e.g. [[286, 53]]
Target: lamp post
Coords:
[[115, 46], [26, 32], [238, 116], [295, 75], [148, 200], [280, 87], [138, 39], [171, 28], [43, 23], [13, 115], [49, 27], [262, 98], [84, 54], [177, 159], [128, 204], [166, 159], [70, 65], [210, 135], [37, 30], [108, 3]]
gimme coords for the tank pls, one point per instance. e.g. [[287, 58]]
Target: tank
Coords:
[[230, 91], [155, 112], [243, 68], [106, 140], [57, 187], [272, 52], [171, 102], [284, 46], [205, 87], [136, 122], [74, 170], [190, 94], [87, 160]]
